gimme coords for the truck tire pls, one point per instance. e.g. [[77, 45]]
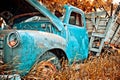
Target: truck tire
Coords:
[[47, 65], [50, 57]]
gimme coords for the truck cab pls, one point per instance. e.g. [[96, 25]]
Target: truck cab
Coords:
[[40, 37]]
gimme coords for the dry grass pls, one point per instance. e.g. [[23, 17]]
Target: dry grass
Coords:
[[104, 67]]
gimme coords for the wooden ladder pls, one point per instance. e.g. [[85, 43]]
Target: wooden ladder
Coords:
[[101, 28]]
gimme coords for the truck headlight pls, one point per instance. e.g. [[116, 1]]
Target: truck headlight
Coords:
[[13, 39]]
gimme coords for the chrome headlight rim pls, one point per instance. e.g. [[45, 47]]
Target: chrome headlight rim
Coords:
[[15, 36]]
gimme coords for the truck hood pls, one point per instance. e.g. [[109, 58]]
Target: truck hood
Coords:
[[41, 8]]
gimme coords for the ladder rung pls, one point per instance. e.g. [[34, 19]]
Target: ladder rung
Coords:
[[102, 28], [1, 44], [95, 50], [1, 38], [98, 35], [101, 25], [1, 52], [103, 19]]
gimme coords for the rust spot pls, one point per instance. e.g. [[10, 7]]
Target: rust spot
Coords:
[[1, 21], [43, 69]]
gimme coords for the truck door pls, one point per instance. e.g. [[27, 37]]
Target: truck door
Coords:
[[77, 30]]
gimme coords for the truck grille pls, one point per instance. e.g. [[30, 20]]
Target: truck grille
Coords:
[[1, 48]]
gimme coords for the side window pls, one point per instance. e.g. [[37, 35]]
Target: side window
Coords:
[[76, 19]]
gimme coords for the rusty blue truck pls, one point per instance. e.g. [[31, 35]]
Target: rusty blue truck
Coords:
[[44, 38]]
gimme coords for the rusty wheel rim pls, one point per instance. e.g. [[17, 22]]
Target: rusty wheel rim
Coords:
[[45, 68]]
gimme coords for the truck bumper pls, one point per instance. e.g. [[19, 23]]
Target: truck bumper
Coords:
[[10, 77]]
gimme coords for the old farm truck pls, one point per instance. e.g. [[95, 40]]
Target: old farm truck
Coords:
[[43, 39]]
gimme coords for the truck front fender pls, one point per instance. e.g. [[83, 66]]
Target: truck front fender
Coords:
[[32, 44]]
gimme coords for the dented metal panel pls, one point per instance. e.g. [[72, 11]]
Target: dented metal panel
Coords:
[[32, 45]]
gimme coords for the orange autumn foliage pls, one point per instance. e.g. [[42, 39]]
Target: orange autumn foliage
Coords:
[[85, 5]]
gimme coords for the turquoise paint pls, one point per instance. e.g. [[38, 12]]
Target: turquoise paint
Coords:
[[36, 39], [32, 45], [47, 13]]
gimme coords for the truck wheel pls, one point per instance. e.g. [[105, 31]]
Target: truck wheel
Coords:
[[47, 65]]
